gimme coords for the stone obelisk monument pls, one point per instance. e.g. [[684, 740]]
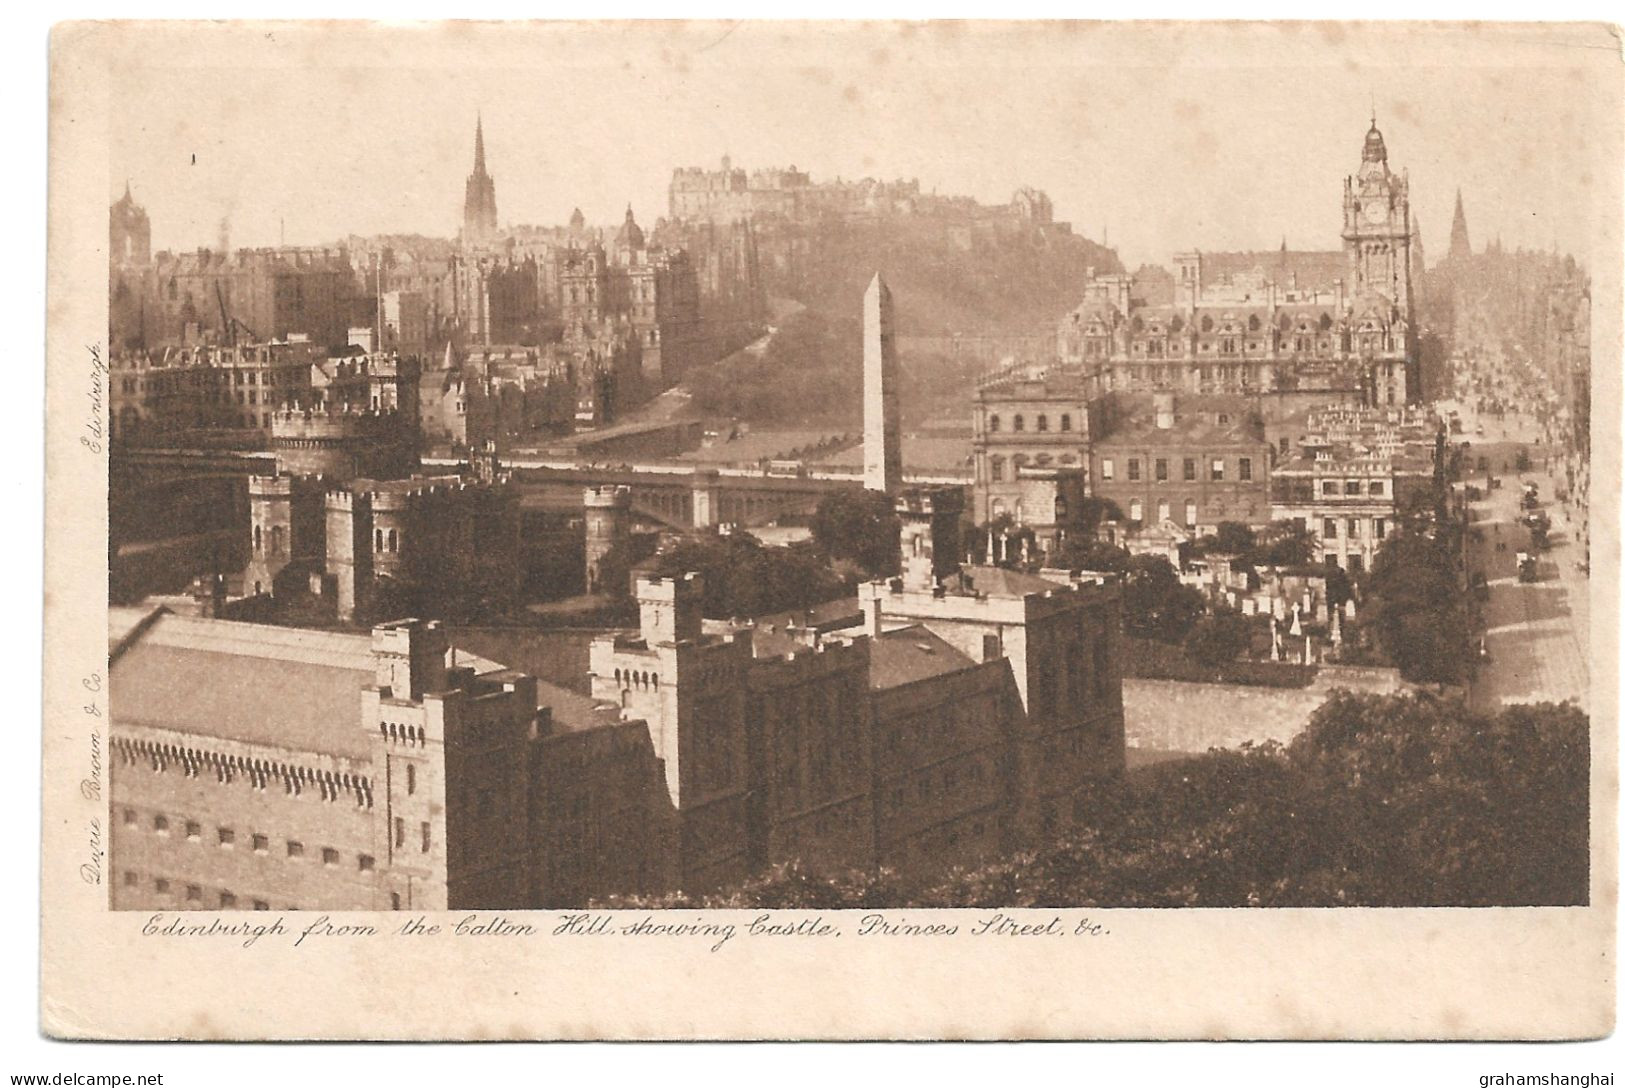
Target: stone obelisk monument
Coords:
[[882, 442]]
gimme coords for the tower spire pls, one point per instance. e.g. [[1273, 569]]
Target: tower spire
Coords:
[[1460, 247], [480, 194]]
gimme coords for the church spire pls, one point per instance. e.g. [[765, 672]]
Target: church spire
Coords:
[[1460, 247], [480, 194]]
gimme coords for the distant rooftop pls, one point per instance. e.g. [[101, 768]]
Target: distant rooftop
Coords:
[[910, 654]]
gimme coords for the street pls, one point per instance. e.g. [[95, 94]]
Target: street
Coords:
[[1537, 634]]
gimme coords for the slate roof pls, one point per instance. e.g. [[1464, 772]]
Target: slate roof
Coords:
[[278, 686], [909, 654]]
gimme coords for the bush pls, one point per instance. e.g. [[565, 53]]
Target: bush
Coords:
[[1383, 801]]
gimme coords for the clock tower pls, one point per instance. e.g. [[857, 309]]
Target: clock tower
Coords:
[[1377, 226], [1380, 322]]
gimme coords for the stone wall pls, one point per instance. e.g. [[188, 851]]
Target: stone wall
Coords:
[[1176, 716]]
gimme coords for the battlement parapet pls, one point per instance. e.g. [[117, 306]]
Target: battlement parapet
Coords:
[[895, 599], [663, 588], [608, 496]]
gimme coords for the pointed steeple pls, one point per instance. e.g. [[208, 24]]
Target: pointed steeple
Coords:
[[480, 194], [1460, 247]]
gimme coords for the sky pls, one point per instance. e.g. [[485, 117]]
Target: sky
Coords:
[[1160, 138]]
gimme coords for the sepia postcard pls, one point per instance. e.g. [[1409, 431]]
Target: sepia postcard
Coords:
[[832, 530]]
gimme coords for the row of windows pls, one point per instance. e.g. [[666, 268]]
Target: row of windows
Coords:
[[211, 376], [1019, 422], [995, 465], [1225, 345], [226, 839], [1354, 487], [1353, 528], [1136, 511], [194, 894], [1188, 469]]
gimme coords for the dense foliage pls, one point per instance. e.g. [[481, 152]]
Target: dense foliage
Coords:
[[743, 578], [1155, 603], [1393, 801], [1219, 638], [1416, 607], [860, 526]]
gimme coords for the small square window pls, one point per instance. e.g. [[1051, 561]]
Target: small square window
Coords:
[[227, 836], [160, 824], [194, 830], [296, 849], [194, 894], [262, 844], [364, 862], [330, 856]]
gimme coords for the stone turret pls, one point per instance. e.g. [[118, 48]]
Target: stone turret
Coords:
[[608, 514]]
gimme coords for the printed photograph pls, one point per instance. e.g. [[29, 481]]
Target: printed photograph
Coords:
[[849, 466]]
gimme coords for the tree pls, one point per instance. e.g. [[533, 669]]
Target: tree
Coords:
[[1382, 801], [1234, 538], [742, 578], [1085, 553], [1155, 603], [1092, 512], [1218, 639], [1282, 544], [861, 526], [1416, 608]]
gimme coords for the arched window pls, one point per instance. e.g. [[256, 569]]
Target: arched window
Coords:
[[377, 540], [1066, 421], [1018, 462], [996, 469], [1043, 423], [1134, 510], [257, 538], [276, 540], [1190, 513], [1021, 423], [394, 541], [993, 424], [1325, 322]]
